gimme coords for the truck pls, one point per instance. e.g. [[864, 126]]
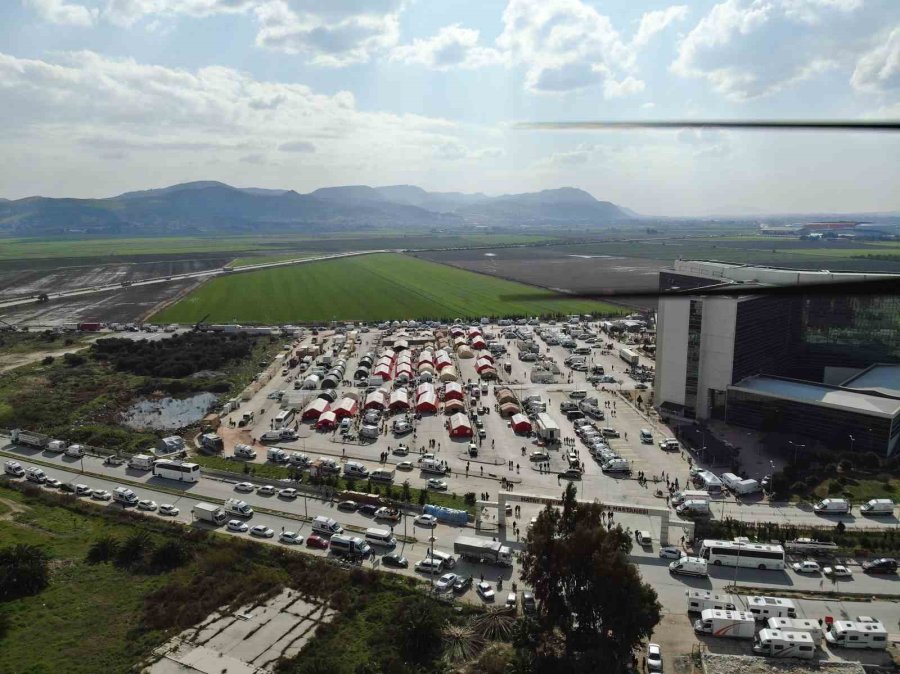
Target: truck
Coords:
[[811, 627], [211, 442], [141, 462], [764, 608], [733, 624], [125, 496], [666, 444], [56, 446], [701, 600], [29, 439], [235, 506], [745, 487], [630, 357], [208, 512], [242, 451], [444, 514], [482, 550], [89, 327], [877, 506], [324, 466], [680, 497], [547, 429], [779, 644]]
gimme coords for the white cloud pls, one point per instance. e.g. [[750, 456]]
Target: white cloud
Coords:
[[751, 48], [627, 87], [451, 47], [302, 146], [62, 12], [879, 69], [657, 21]]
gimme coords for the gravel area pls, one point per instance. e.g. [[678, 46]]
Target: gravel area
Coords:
[[740, 664]]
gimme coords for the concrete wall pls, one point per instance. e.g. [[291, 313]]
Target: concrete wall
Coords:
[[716, 350], [671, 350]]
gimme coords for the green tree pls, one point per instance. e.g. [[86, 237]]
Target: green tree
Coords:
[[170, 555], [102, 550], [591, 598], [133, 549], [24, 570], [419, 624]]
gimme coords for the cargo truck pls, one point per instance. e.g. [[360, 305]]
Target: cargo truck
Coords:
[[208, 512], [482, 550], [29, 439], [733, 624], [211, 442], [235, 506]]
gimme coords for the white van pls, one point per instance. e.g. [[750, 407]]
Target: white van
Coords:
[[75, 451], [371, 432], [353, 546], [430, 566], [689, 566], [380, 537], [57, 446], [382, 475], [326, 525], [646, 436], [878, 506], [448, 560], [355, 469], [431, 466], [35, 475], [833, 506], [13, 468]]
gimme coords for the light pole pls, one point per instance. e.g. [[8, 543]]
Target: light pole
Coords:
[[852, 440], [431, 556]]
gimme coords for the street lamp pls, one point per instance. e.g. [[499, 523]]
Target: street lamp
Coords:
[[852, 440], [431, 555]]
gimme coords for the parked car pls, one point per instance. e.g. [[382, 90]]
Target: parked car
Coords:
[[169, 510], [807, 566], [445, 582], [654, 658], [395, 560], [262, 531], [435, 483], [348, 506], [426, 520], [266, 490], [540, 456], [485, 591], [367, 509], [883, 565], [245, 486], [462, 584], [314, 541], [290, 537], [288, 492], [671, 552], [146, 504], [53, 482], [529, 605], [405, 465], [401, 450], [101, 495], [837, 571]]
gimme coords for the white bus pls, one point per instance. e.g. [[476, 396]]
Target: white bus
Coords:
[[177, 470], [284, 418], [735, 553]]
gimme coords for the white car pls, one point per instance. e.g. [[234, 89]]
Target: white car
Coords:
[[671, 552], [146, 504], [244, 486], [434, 483], [485, 591], [290, 537], [405, 465], [266, 490], [445, 582], [53, 482], [401, 450], [262, 531], [837, 571], [101, 495], [168, 509], [288, 492], [237, 525], [82, 490], [426, 520], [808, 566], [654, 658]]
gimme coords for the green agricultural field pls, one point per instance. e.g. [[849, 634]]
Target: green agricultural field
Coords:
[[367, 288]]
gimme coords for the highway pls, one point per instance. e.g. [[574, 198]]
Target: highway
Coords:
[[292, 514], [209, 273]]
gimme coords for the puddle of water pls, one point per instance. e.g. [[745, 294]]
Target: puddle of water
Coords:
[[165, 414]]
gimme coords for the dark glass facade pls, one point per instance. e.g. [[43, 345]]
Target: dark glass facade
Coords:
[[692, 378]]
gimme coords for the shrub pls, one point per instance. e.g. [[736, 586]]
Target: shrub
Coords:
[[834, 487], [103, 550], [24, 570], [74, 359], [799, 488], [48, 360], [469, 498]]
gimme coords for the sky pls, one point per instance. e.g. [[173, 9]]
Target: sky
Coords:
[[99, 97]]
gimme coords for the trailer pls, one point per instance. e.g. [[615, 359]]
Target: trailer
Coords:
[[860, 633], [778, 644], [719, 623], [770, 607], [701, 600], [547, 429], [208, 512], [141, 462], [630, 357], [812, 627], [29, 439], [482, 550]]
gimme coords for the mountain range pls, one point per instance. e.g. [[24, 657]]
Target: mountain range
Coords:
[[210, 206]]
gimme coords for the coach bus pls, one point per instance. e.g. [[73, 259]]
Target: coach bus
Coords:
[[284, 418], [177, 470], [740, 553]]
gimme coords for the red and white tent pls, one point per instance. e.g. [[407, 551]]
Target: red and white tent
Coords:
[[478, 342], [453, 391], [348, 407], [427, 402], [327, 421], [483, 364], [399, 399], [521, 424], [460, 426], [375, 400], [424, 388], [315, 408]]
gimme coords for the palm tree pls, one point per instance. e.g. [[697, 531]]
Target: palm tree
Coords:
[[24, 570], [103, 550], [494, 625], [461, 643]]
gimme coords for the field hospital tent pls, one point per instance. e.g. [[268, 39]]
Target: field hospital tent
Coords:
[[315, 408], [348, 407], [427, 402], [463, 351], [327, 421], [449, 374], [483, 364], [521, 424], [399, 399], [505, 395], [453, 391], [454, 406], [460, 426], [376, 400], [508, 409]]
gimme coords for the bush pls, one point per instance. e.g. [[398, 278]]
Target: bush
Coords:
[[834, 487], [74, 359], [102, 550], [799, 488], [170, 555], [176, 357], [845, 465], [48, 360], [24, 570], [469, 498]]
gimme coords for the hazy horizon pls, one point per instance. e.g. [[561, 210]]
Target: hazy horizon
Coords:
[[103, 97]]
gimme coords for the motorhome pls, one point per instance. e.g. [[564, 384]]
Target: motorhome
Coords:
[[701, 600], [808, 625], [778, 644], [860, 633], [719, 623], [764, 608]]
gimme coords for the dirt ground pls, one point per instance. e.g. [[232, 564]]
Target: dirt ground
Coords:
[[560, 269]]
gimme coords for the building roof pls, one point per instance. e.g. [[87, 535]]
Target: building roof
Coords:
[[820, 394], [879, 378]]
